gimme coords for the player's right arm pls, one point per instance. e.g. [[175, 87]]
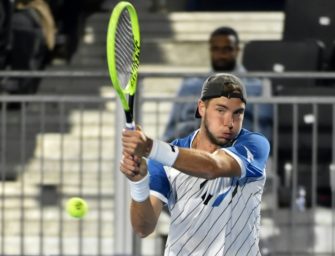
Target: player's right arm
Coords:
[[144, 213]]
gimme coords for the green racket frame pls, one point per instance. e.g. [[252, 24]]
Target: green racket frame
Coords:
[[130, 88]]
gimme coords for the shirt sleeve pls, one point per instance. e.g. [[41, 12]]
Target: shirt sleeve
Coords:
[[252, 152], [159, 182]]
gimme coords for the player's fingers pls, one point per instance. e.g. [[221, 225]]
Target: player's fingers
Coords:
[[131, 160], [129, 133], [129, 143], [137, 159], [135, 144], [129, 174], [133, 149], [128, 158], [133, 135], [129, 167], [128, 149]]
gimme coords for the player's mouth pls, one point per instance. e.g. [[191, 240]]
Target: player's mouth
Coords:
[[227, 136]]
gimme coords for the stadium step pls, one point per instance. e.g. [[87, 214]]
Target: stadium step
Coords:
[[178, 38]]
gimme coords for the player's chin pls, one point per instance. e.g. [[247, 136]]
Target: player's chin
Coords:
[[222, 141]]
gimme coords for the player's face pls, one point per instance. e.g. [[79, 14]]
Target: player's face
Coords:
[[223, 51], [222, 119]]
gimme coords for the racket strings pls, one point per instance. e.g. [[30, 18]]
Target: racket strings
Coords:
[[124, 48]]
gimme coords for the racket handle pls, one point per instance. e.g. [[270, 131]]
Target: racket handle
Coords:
[[130, 126]]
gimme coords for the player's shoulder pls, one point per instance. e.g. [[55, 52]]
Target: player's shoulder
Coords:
[[251, 143], [250, 137]]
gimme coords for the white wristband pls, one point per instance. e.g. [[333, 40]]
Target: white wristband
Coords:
[[163, 152], [139, 190]]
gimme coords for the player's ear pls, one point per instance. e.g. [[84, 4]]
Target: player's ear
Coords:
[[201, 107]]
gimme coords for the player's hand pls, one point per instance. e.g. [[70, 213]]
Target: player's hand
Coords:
[[136, 143], [133, 167]]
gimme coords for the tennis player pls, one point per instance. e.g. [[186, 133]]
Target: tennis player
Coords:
[[212, 180]]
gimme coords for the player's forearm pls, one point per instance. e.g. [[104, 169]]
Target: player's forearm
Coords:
[[195, 162], [143, 218], [201, 164]]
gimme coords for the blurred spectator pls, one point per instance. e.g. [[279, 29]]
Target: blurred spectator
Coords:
[[40, 12], [32, 39], [70, 17], [37, 32], [224, 51]]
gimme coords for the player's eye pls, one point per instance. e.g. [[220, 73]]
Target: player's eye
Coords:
[[238, 113], [221, 111]]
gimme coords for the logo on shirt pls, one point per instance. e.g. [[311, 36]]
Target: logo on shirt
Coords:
[[206, 196], [219, 197], [250, 156]]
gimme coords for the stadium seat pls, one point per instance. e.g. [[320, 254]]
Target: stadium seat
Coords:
[[281, 56], [310, 19]]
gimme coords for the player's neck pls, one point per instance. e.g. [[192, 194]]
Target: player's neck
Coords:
[[201, 142]]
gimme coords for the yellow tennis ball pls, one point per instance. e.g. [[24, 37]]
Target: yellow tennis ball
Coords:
[[76, 207]]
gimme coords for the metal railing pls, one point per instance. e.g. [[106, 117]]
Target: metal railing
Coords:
[[55, 147]]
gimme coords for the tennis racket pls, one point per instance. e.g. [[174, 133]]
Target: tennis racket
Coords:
[[123, 52]]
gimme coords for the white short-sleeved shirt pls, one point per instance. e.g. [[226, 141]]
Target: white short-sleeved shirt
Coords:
[[214, 217]]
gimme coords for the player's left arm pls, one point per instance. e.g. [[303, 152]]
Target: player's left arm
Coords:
[[247, 157], [190, 161], [207, 165], [221, 163]]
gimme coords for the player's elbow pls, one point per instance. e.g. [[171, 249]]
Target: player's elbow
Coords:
[[143, 227], [142, 232], [142, 235]]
